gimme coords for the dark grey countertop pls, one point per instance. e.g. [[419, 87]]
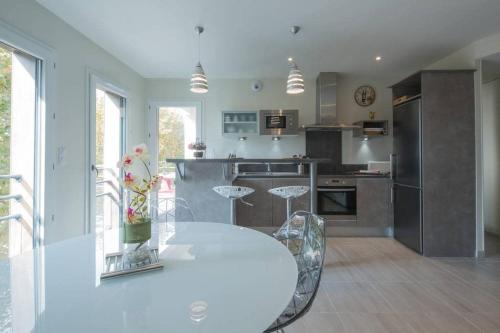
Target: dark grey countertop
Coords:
[[248, 160], [358, 176]]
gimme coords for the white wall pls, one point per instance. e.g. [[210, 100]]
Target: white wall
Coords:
[[467, 56], [235, 94], [74, 53], [490, 101]]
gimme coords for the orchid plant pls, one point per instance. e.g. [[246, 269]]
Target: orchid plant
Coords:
[[137, 179]]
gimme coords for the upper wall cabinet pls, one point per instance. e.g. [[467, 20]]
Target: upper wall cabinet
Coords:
[[240, 123]]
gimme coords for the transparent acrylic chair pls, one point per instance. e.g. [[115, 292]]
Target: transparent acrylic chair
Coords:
[[174, 210], [234, 193], [304, 236], [289, 193]]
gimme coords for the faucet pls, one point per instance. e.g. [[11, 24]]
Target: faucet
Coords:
[[268, 167]]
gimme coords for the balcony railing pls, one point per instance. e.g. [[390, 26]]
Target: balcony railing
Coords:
[[16, 217], [9, 197], [16, 177]]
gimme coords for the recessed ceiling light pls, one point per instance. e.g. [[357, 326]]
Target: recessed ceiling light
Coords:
[[378, 58], [290, 59]]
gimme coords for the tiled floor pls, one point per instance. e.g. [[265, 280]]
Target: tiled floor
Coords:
[[378, 285]]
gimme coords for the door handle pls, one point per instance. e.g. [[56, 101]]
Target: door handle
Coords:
[[392, 158], [93, 168]]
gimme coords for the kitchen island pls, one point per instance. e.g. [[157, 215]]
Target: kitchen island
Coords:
[[195, 179]]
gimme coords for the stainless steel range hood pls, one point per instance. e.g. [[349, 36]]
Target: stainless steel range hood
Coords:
[[326, 105]]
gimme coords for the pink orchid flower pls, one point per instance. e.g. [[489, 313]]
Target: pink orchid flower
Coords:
[[129, 179], [126, 161]]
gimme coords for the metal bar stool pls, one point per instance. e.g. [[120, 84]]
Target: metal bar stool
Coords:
[[289, 193], [234, 193]]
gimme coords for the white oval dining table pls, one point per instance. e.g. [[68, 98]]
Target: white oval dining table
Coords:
[[217, 278]]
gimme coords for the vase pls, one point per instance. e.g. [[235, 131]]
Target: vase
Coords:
[[198, 153], [139, 232], [135, 236]]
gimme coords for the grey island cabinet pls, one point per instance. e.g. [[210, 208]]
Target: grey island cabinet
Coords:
[[268, 211], [195, 179]]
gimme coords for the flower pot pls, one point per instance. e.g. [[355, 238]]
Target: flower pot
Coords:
[[138, 232], [198, 153]]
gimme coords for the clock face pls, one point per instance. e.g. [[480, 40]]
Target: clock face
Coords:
[[364, 95]]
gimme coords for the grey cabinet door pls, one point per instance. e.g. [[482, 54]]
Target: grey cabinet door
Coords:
[[261, 214], [279, 204], [373, 202]]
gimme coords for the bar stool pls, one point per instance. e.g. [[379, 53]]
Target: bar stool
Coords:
[[234, 193], [289, 193]]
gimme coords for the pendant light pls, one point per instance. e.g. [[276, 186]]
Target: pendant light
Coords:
[[295, 82], [199, 83]]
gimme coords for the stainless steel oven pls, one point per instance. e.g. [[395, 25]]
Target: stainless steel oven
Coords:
[[279, 122], [337, 198]]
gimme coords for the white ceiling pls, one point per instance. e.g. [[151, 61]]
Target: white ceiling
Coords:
[[251, 39]]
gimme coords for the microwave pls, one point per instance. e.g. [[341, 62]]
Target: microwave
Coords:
[[279, 122]]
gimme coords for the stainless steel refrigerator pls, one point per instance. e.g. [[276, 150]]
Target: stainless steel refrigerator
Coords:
[[406, 170]]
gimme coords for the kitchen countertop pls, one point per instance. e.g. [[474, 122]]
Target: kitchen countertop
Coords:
[[248, 160]]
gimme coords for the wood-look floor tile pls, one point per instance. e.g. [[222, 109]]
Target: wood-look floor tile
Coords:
[[373, 323], [462, 297], [422, 269], [317, 323], [322, 302], [408, 297], [357, 297], [470, 269], [486, 322], [491, 288], [440, 323]]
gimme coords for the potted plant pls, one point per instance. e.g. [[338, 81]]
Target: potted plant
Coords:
[[198, 148], [139, 183]]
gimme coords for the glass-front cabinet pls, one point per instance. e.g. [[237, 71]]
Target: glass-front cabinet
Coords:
[[240, 123]]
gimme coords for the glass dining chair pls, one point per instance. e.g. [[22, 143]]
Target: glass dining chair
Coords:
[[304, 236]]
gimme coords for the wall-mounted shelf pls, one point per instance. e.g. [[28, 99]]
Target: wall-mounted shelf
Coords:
[[371, 128], [240, 124]]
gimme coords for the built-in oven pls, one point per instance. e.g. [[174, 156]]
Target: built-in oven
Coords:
[[337, 198], [279, 122]]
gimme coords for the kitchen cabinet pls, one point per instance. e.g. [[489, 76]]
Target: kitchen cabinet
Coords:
[[374, 207], [268, 210], [261, 214]]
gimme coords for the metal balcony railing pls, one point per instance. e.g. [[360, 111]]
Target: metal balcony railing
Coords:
[[110, 195], [8, 197], [16, 177], [16, 217]]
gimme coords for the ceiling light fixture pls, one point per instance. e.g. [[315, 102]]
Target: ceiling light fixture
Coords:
[[199, 83], [378, 58], [295, 82]]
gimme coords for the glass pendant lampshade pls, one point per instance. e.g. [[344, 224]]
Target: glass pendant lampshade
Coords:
[[295, 82], [199, 83]]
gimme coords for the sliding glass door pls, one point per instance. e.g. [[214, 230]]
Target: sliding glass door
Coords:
[[20, 141]]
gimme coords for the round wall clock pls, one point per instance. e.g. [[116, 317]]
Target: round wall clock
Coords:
[[364, 95]]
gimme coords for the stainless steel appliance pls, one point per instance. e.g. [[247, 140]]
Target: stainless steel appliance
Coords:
[[326, 105], [279, 122], [336, 198], [406, 172]]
